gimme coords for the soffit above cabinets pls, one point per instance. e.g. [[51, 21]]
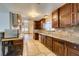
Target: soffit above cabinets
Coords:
[[25, 8]]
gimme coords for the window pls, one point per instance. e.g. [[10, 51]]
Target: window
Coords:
[[25, 26]]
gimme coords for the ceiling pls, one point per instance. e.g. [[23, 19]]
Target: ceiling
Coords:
[[25, 8]]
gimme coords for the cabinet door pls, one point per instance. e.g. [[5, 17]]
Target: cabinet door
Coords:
[[66, 15], [55, 19], [37, 25], [58, 48], [40, 38], [72, 49], [72, 52], [42, 21], [49, 43], [36, 36], [77, 14], [44, 40]]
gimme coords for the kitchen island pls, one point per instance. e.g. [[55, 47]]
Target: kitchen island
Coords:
[[14, 46]]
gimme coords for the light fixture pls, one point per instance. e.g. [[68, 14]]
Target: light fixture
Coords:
[[46, 16], [18, 21], [33, 14], [54, 17]]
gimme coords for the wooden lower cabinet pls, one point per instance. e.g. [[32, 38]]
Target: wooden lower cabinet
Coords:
[[36, 36], [42, 39], [72, 49], [72, 52], [58, 48], [45, 40], [49, 43]]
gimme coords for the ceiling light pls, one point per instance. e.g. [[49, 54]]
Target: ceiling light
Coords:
[[33, 14], [46, 16]]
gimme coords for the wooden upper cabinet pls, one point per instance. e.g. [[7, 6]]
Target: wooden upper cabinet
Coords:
[[66, 15], [69, 15], [49, 43], [77, 13], [42, 22], [55, 19], [39, 24]]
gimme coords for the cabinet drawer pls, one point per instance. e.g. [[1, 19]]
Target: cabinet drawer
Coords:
[[18, 42]]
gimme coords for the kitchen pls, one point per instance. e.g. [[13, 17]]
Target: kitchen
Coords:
[[62, 39], [53, 33]]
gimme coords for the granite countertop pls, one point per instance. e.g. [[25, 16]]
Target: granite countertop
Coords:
[[66, 36]]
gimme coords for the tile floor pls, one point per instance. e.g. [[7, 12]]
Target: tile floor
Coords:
[[35, 48]]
